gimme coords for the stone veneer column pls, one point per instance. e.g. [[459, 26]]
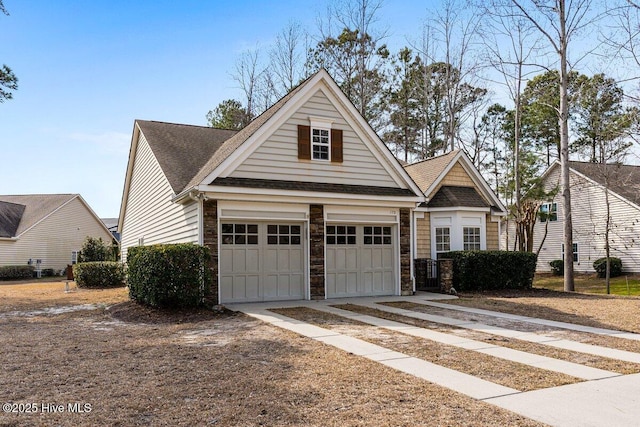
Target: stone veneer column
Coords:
[[210, 225], [406, 287], [316, 248], [445, 275]]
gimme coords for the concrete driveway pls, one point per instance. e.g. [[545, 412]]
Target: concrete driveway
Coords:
[[603, 398]]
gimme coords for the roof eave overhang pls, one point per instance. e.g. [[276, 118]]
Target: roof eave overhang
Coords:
[[229, 192]]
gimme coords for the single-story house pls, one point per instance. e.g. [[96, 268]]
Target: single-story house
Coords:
[[46, 230], [305, 202], [588, 182]]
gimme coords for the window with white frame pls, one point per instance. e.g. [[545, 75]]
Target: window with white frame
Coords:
[[443, 239], [575, 252], [320, 143], [471, 238], [548, 211]]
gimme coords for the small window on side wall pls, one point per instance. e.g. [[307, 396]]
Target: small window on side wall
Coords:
[[548, 212], [576, 253]]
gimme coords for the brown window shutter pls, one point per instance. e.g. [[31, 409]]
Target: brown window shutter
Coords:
[[336, 145], [304, 142]]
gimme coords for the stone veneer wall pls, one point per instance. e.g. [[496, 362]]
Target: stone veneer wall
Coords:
[[316, 231], [406, 286], [210, 224]]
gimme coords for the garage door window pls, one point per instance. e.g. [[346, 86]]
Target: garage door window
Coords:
[[377, 235], [341, 235], [240, 234], [278, 234]]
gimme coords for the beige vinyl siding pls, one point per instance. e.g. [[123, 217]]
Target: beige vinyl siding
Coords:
[[150, 214], [277, 157], [492, 234], [423, 236], [456, 176], [54, 238]]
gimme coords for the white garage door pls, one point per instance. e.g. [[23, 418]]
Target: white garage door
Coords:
[[261, 261], [360, 260]]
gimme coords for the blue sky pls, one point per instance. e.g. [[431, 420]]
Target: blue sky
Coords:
[[88, 69]]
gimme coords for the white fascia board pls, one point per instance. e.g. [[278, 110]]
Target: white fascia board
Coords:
[[127, 180], [8, 239], [321, 81], [249, 194], [444, 173], [95, 216], [247, 148], [479, 180]]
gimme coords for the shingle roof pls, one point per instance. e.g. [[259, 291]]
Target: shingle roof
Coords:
[[425, 172], [182, 150], [36, 207], [624, 180], [451, 196], [312, 186], [10, 216], [238, 139]]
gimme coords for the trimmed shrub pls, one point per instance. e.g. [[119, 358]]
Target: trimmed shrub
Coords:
[[484, 270], [50, 272], [615, 267], [174, 275], [557, 267], [95, 250], [99, 274], [13, 272]]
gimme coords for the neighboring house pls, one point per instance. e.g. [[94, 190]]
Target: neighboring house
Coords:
[[46, 227], [112, 226], [461, 212], [306, 202], [588, 212]]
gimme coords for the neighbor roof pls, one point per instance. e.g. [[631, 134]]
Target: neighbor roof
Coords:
[[624, 180], [36, 208], [10, 216], [182, 150], [425, 172], [452, 196]]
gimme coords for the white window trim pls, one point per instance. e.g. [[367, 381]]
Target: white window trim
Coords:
[[479, 236], [576, 253], [320, 123], [549, 210], [457, 220]]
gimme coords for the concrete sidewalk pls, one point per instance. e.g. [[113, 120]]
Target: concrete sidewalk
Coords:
[[603, 400]]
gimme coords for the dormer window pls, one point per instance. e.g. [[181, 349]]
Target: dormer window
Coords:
[[320, 143]]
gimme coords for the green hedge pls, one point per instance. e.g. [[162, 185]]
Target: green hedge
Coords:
[[175, 275], [557, 267], [99, 274], [483, 270], [13, 272], [615, 267]]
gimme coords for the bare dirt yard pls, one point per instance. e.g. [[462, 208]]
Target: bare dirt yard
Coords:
[[91, 357]]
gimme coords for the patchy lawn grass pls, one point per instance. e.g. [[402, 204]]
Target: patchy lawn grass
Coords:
[[601, 311], [628, 285], [137, 366]]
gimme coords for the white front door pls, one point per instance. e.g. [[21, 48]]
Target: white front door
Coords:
[[261, 261], [360, 260]]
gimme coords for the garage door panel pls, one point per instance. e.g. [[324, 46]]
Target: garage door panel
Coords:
[[261, 261], [363, 263]]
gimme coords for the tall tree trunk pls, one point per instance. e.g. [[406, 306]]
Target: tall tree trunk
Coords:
[[564, 150]]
